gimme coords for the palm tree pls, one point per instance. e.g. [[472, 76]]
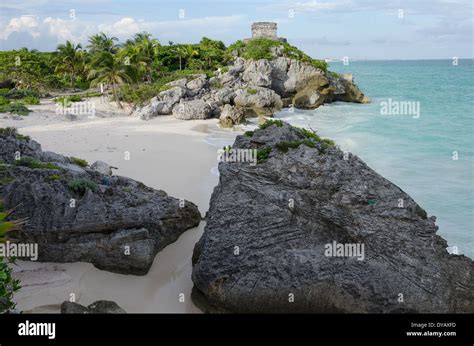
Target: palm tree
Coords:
[[181, 53], [109, 69], [141, 52], [101, 42], [190, 52], [70, 60]]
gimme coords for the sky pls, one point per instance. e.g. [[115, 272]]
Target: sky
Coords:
[[357, 29]]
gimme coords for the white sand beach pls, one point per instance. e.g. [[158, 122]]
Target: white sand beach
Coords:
[[165, 153]]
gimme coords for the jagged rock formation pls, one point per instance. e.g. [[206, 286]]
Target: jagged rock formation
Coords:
[[256, 88], [265, 245], [98, 307], [82, 214]]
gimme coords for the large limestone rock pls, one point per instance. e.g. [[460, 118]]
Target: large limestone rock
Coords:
[[258, 101], [265, 245], [81, 215], [162, 104], [351, 92], [193, 109], [231, 116], [258, 73], [313, 94]]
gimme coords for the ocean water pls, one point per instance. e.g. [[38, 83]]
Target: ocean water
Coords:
[[417, 153]]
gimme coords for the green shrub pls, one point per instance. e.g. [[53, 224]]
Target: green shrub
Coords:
[[4, 101], [31, 162], [15, 108], [270, 122], [81, 185], [65, 101], [261, 48], [325, 143], [251, 91], [263, 154], [11, 131], [4, 91], [8, 285], [248, 133], [21, 94], [22, 137], [30, 100], [284, 146], [79, 162]]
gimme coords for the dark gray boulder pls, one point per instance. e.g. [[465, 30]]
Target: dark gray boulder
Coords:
[[270, 227], [78, 214], [98, 307]]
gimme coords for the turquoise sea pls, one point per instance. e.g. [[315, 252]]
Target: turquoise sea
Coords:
[[414, 153]]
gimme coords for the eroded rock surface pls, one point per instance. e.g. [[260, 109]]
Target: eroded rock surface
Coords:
[[80, 214], [264, 248]]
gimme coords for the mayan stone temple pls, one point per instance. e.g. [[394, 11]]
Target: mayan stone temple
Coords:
[[265, 30]]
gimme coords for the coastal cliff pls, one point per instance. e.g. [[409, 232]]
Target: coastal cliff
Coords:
[[253, 87]]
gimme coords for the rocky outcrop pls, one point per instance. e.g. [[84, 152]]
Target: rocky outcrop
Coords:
[[98, 307], [274, 231], [163, 103], [257, 101], [80, 214], [231, 116], [313, 94], [193, 109], [255, 88]]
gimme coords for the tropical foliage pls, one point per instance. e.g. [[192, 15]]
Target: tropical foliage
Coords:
[[131, 71], [8, 285]]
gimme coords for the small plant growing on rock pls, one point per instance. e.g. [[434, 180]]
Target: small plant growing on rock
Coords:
[[271, 122], [11, 131], [55, 177], [248, 133], [263, 154], [31, 162], [284, 146], [81, 185], [79, 162], [251, 91]]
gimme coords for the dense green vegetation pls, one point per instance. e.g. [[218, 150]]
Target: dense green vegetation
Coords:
[[132, 71], [261, 48], [8, 285]]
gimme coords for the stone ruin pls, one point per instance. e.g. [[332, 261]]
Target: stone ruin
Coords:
[[265, 30]]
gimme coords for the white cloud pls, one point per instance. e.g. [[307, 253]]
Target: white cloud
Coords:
[[127, 26], [21, 24]]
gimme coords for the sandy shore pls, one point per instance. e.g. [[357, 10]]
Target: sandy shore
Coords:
[[176, 156]]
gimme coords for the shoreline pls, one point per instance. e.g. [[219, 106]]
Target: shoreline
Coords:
[[176, 156]]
